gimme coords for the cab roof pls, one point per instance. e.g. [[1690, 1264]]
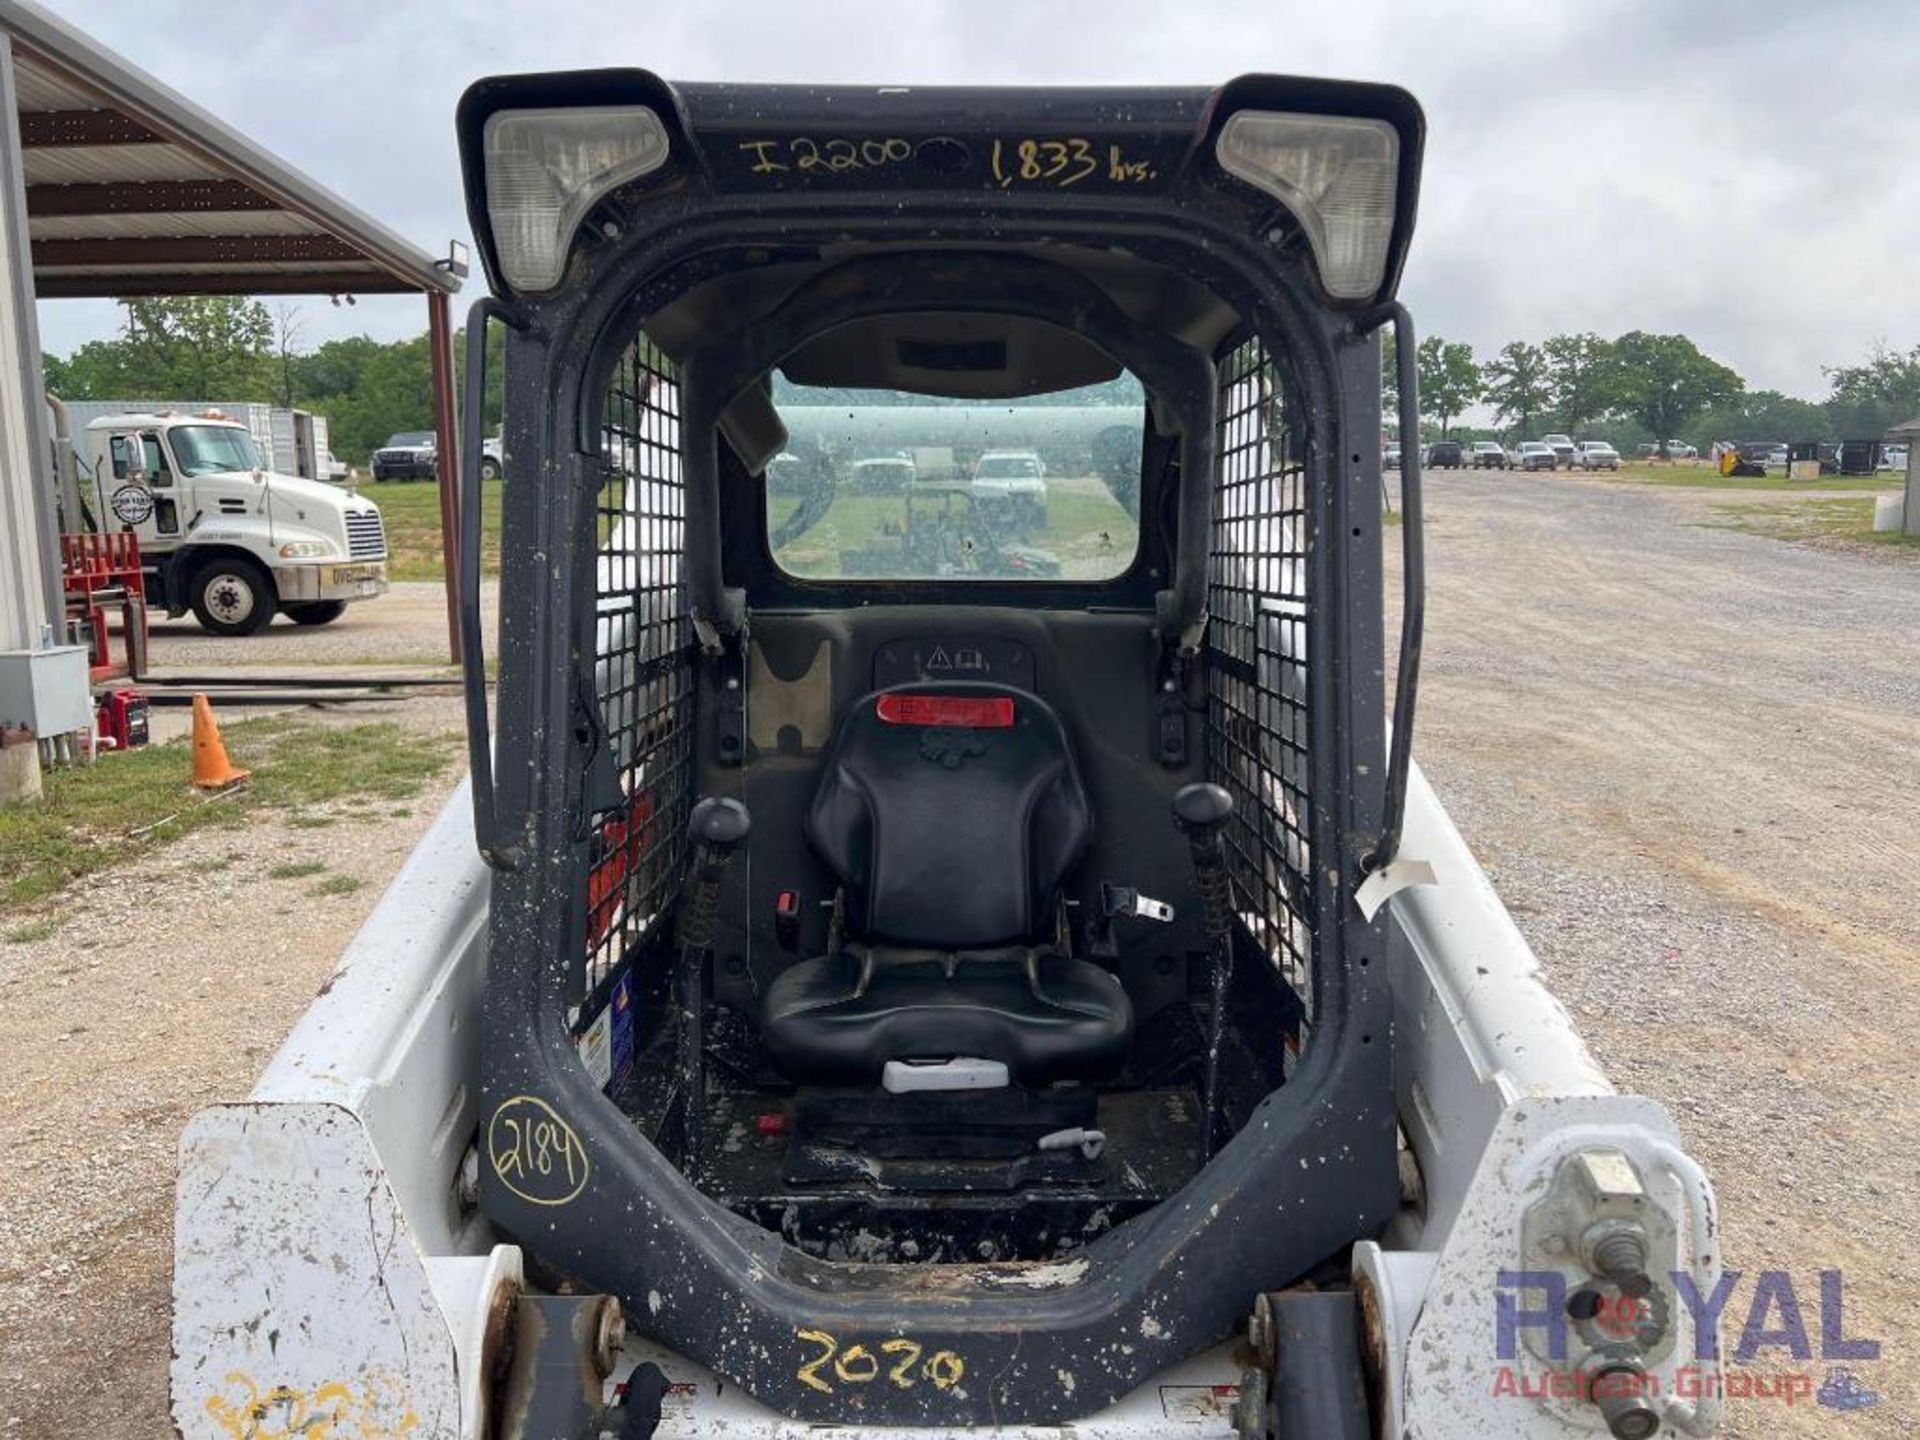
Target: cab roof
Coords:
[[887, 147]]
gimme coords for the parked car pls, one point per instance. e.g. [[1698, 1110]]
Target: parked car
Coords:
[[1777, 456], [1893, 457], [883, 474], [1390, 456], [1532, 455], [1019, 478], [1445, 455], [1489, 455], [1565, 452], [1681, 450], [493, 458], [1598, 455], [408, 455]]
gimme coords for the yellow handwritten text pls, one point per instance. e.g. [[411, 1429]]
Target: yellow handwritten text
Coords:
[[857, 1365], [535, 1153], [806, 155], [1063, 162], [380, 1409]]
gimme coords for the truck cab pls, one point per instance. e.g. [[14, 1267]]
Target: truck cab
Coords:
[[220, 534]]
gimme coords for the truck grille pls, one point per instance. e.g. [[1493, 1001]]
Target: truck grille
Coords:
[[366, 536]]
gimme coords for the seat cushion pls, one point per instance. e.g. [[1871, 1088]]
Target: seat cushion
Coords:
[[821, 1027], [945, 835]]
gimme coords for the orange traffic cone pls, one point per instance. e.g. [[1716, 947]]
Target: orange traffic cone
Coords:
[[212, 770]]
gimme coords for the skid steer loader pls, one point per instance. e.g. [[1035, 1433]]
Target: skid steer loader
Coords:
[[882, 983]]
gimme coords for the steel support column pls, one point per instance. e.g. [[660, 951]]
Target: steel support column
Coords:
[[446, 428], [30, 589]]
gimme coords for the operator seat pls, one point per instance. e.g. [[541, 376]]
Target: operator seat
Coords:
[[950, 813]]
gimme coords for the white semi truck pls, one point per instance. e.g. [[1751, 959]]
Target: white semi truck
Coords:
[[221, 533]]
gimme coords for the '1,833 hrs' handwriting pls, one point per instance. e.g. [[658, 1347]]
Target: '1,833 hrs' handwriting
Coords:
[[1030, 160]]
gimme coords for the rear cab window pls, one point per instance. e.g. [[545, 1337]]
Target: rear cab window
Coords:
[[889, 485]]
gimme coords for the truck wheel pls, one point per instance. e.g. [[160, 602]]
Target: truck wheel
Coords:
[[489, 468], [316, 612], [231, 595]]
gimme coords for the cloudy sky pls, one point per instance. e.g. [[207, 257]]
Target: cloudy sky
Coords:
[[1746, 172]]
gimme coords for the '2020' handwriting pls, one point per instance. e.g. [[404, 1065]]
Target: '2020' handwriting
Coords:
[[902, 1363]]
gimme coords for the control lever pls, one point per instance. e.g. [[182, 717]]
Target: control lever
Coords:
[[716, 829], [1202, 812]]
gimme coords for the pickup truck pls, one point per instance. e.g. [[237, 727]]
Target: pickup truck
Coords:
[[408, 455]]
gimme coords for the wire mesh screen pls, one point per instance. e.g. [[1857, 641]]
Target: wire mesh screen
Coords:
[[1256, 662], [642, 663]]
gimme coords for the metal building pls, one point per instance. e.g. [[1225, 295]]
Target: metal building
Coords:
[[113, 185]]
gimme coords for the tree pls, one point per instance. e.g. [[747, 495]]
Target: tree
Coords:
[[1449, 379], [1389, 375], [1764, 415], [1665, 382], [1583, 376], [1515, 384], [1869, 397], [286, 332], [236, 350], [203, 347], [212, 347], [375, 390]]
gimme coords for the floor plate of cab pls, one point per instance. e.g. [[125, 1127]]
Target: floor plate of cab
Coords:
[[1152, 1148]]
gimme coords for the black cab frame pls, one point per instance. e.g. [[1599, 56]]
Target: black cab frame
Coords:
[[926, 982]]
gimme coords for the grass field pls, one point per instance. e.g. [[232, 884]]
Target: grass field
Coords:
[[1079, 511], [113, 811], [1704, 477], [1086, 530], [1816, 519], [412, 512]]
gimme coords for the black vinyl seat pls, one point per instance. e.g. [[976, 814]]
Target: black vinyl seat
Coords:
[[951, 814]]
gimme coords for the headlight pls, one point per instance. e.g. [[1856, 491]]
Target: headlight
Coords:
[[304, 549], [1338, 175], [546, 168]]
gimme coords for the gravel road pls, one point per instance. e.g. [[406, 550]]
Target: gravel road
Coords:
[[1689, 757], [405, 626]]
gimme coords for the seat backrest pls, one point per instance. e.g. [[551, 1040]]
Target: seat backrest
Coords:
[[951, 813]]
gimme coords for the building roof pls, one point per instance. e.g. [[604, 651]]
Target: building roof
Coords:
[[1906, 429], [132, 189]]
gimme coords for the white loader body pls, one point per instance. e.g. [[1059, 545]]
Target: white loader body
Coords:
[[332, 1275]]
